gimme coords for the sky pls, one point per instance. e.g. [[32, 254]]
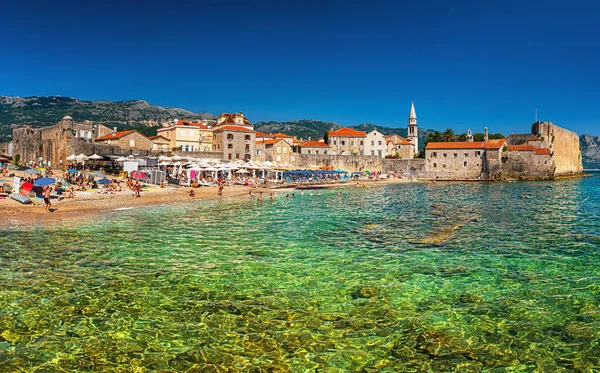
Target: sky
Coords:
[[466, 64]]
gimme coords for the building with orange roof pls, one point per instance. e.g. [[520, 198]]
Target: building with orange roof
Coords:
[[399, 147], [375, 144], [126, 140], [188, 136], [235, 119], [160, 144], [313, 147], [273, 150], [346, 141], [235, 142], [464, 159]]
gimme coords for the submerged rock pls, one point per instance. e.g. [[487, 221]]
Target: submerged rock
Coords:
[[365, 292]]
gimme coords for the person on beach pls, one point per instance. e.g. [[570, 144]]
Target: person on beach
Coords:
[[259, 196], [46, 192], [192, 193], [220, 191], [137, 188], [271, 198], [251, 194]]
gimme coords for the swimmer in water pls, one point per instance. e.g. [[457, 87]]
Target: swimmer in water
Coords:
[[302, 192], [271, 196]]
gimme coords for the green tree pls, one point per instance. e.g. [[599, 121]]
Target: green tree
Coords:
[[478, 136], [449, 135], [461, 137], [326, 137], [17, 160]]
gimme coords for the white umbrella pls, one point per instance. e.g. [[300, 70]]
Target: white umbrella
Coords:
[[95, 156], [210, 169], [164, 158], [164, 164], [71, 157], [82, 157], [177, 164], [242, 171], [121, 159], [176, 158]]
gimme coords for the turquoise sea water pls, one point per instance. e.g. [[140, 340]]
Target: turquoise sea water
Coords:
[[398, 278]]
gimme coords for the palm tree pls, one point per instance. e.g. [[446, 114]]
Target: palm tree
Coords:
[[461, 137], [449, 135]]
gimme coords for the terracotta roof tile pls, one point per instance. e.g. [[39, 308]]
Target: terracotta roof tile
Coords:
[[262, 134], [115, 136], [313, 144], [543, 151], [233, 128], [281, 135], [520, 148], [347, 132], [491, 144]]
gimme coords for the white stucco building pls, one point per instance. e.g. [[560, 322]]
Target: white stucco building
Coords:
[[375, 144]]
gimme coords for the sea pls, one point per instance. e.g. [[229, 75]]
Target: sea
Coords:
[[413, 277]]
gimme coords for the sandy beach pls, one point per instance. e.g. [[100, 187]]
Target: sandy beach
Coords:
[[92, 202]]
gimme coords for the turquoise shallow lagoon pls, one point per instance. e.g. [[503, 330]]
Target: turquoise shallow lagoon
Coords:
[[397, 278]]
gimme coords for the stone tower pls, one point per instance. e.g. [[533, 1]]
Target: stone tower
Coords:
[[469, 135], [412, 127]]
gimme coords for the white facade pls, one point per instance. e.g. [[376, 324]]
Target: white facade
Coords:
[[375, 144]]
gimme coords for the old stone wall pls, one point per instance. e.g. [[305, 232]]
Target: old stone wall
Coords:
[[455, 163], [526, 165], [352, 163], [413, 166], [203, 155], [564, 145], [4, 148]]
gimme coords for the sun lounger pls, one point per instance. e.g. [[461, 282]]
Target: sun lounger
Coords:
[[19, 198]]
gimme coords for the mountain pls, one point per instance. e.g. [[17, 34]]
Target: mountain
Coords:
[[590, 151], [306, 128], [41, 111]]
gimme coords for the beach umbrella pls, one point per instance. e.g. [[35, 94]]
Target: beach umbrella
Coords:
[[95, 156], [176, 158], [31, 171], [121, 159], [72, 171], [104, 181], [82, 157], [71, 157], [242, 171], [164, 164], [23, 168], [44, 181], [98, 174]]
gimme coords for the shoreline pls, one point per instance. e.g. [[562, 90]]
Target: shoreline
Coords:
[[14, 214]]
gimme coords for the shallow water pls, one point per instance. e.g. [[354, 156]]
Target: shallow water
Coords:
[[398, 278]]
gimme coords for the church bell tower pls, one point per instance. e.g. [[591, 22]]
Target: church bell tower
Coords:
[[412, 127]]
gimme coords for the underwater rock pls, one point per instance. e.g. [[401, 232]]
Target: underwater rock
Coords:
[[365, 292], [439, 344], [10, 336]]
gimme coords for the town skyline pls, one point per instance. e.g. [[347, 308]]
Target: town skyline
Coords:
[[465, 66]]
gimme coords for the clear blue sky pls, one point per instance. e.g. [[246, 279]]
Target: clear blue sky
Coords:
[[465, 63]]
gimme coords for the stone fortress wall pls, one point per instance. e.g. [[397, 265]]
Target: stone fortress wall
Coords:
[[564, 145]]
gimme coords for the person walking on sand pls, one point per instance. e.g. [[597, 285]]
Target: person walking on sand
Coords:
[[137, 188], [46, 192]]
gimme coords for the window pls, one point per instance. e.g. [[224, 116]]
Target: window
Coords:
[[445, 155], [285, 150], [334, 142], [108, 142], [352, 142], [466, 154], [444, 166], [361, 142], [465, 163], [372, 143], [229, 155], [230, 136], [154, 146], [229, 146], [372, 152], [455, 155], [165, 146], [308, 152], [258, 152], [247, 148], [182, 133], [316, 152], [435, 165], [343, 142], [434, 154], [478, 152], [247, 137], [237, 156], [132, 143], [379, 142]]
